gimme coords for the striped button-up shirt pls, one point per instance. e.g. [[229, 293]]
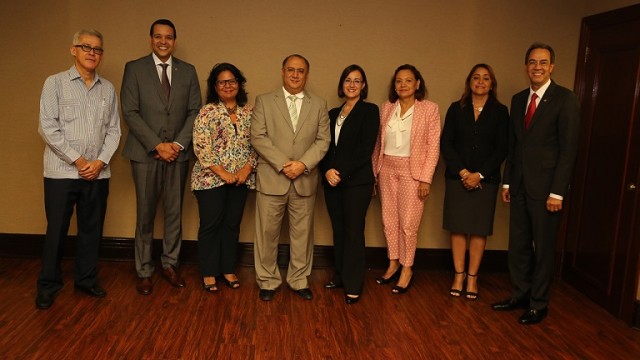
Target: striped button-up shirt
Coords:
[[77, 121]]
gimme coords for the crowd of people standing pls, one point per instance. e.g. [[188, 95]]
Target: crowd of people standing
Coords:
[[284, 147]]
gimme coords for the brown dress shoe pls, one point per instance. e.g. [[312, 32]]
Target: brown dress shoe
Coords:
[[144, 286], [169, 273]]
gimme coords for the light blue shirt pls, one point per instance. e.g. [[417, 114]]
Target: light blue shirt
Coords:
[[77, 121]]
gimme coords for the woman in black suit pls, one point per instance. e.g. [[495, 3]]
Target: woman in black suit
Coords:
[[474, 143], [348, 179]]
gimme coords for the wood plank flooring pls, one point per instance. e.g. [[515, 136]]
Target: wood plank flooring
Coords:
[[424, 323]]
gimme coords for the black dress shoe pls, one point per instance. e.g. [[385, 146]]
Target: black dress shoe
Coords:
[[533, 316], [510, 304], [332, 285], [266, 295], [44, 300], [95, 290], [304, 293], [351, 300]]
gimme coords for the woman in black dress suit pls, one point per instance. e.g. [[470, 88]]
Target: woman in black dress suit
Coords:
[[474, 143], [348, 179]]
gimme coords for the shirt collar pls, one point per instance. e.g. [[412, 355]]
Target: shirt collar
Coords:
[[299, 95], [157, 61], [540, 92], [74, 74]]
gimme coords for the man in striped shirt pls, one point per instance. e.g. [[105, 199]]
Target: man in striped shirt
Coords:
[[80, 124]]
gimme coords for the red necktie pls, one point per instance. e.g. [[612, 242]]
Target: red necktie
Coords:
[[530, 110]]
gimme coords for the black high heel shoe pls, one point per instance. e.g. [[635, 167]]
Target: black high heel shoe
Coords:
[[210, 288], [458, 292], [472, 295], [333, 285], [383, 281], [232, 284], [401, 290]]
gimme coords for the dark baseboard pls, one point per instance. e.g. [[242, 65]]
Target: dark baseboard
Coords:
[[122, 249]]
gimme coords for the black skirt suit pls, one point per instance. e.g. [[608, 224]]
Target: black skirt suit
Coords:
[[479, 146], [347, 202]]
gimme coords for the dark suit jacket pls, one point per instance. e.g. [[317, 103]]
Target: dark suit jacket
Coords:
[[541, 159], [150, 119], [352, 156], [272, 136], [477, 145]]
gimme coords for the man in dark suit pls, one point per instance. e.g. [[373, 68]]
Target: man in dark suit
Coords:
[[544, 125], [160, 99], [290, 132]]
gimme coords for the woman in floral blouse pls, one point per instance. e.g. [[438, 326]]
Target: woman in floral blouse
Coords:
[[223, 173]]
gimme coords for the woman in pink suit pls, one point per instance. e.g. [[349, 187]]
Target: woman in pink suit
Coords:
[[404, 159]]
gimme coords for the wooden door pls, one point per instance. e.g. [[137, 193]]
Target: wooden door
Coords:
[[602, 241]]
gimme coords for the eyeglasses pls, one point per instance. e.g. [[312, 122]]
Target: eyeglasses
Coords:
[[87, 48], [230, 82], [543, 63], [356, 82]]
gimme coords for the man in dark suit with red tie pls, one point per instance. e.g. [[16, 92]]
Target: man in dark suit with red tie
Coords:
[[544, 128]]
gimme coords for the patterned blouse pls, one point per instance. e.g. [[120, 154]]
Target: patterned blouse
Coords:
[[216, 141]]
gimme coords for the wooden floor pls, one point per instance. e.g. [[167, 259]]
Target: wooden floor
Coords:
[[424, 323]]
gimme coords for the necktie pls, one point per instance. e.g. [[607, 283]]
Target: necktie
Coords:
[[530, 110], [166, 87], [293, 111]]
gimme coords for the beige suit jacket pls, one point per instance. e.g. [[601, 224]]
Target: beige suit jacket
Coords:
[[273, 137]]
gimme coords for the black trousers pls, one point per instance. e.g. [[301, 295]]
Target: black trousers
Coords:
[[532, 248], [90, 200], [347, 208], [220, 212]]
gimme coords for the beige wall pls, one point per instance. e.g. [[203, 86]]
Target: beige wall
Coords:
[[442, 38]]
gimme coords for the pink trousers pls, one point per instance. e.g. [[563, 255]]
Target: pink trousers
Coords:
[[401, 208]]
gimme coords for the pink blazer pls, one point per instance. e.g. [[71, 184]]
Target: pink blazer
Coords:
[[425, 139]]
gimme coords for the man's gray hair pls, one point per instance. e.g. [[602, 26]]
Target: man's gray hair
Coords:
[[92, 32]]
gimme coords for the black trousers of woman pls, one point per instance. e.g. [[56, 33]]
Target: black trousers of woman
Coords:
[[347, 208], [220, 212]]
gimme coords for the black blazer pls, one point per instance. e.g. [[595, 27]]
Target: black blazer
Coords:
[[352, 156], [541, 159], [479, 146]]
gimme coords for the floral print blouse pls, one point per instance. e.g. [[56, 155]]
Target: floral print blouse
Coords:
[[216, 141]]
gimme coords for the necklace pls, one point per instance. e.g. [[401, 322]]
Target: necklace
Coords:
[[343, 116], [478, 108], [232, 110], [341, 119]]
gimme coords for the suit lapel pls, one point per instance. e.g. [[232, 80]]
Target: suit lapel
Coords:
[[416, 123], [175, 79], [281, 104], [304, 111], [348, 123], [153, 74]]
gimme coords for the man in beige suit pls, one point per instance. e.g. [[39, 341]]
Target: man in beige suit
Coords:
[[290, 132]]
